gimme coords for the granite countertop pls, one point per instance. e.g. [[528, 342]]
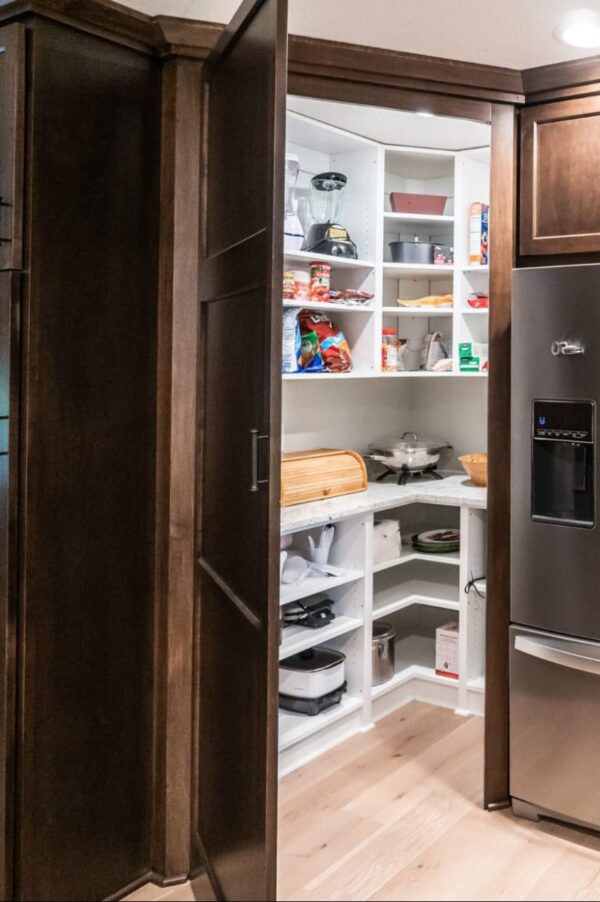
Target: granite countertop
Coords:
[[453, 491]]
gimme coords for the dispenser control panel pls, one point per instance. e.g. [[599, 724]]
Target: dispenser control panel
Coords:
[[564, 421]]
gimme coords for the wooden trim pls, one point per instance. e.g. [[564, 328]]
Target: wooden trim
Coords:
[[176, 411], [502, 255], [575, 78], [172, 36]]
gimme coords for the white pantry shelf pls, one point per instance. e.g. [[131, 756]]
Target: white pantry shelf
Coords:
[[431, 271], [353, 374], [340, 308], [423, 218], [475, 311], [294, 728], [477, 685], [427, 312], [407, 601], [413, 672], [306, 257], [452, 557], [476, 268], [316, 584], [300, 638]]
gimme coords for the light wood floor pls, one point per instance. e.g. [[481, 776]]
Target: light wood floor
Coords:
[[395, 814]]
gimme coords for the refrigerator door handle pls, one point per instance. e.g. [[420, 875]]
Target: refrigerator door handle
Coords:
[[556, 655]]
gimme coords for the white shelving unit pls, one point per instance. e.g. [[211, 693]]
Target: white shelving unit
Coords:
[[417, 592], [373, 171]]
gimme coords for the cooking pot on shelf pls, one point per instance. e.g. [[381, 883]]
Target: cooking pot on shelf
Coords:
[[407, 453]]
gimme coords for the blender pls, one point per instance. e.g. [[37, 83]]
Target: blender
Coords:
[[326, 235], [293, 231]]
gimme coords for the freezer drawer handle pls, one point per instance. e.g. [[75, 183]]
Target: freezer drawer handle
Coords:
[[566, 349], [556, 655], [255, 438]]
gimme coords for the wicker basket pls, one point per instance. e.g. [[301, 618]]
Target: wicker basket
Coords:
[[476, 467]]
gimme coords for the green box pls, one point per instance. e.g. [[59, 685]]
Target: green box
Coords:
[[469, 364]]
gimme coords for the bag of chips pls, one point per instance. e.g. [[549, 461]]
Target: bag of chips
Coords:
[[324, 340]]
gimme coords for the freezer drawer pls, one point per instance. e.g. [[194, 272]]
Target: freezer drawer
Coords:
[[555, 724]]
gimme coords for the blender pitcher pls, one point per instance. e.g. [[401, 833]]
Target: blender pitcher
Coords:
[[326, 235]]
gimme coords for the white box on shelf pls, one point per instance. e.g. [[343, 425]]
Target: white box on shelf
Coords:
[[387, 541], [446, 650]]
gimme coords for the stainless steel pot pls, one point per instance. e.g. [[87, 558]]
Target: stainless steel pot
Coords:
[[384, 652], [408, 452]]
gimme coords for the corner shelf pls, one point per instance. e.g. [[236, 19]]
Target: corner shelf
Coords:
[[452, 557], [408, 601], [315, 585], [476, 268], [420, 218], [300, 638], [335, 262], [427, 312], [413, 672], [293, 728], [431, 271], [339, 308]]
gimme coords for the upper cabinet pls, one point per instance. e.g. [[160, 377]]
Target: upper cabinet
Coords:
[[560, 177], [12, 120]]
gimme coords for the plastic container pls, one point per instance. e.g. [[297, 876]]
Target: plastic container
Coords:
[[422, 204], [383, 652], [389, 351], [312, 674]]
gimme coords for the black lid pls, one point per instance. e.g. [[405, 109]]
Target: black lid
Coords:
[[329, 181]]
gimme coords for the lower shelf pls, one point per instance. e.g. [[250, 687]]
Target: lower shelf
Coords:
[[294, 728], [415, 671], [477, 685], [402, 603], [299, 638]]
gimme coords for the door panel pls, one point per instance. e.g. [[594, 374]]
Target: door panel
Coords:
[[551, 562], [237, 635], [9, 389], [560, 177], [555, 731], [12, 148]]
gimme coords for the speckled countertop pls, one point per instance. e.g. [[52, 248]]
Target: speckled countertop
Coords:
[[454, 491]]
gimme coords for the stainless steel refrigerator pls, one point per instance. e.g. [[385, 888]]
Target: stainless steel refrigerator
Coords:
[[555, 545]]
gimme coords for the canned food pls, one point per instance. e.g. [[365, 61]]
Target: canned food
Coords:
[[289, 285], [320, 282]]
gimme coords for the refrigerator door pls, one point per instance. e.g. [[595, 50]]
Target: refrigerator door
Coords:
[[555, 537], [554, 725]]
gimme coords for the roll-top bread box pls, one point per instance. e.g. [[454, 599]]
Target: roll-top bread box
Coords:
[[323, 473]]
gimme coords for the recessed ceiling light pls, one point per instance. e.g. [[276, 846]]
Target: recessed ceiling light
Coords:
[[425, 113], [581, 29]]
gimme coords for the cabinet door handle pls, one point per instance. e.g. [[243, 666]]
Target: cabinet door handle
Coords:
[[255, 438], [554, 654]]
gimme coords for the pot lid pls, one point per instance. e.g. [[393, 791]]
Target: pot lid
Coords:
[[409, 442]]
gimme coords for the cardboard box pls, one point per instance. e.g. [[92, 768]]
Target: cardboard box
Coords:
[[479, 217], [446, 650]]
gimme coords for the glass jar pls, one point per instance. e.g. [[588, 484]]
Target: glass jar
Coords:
[[389, 351]]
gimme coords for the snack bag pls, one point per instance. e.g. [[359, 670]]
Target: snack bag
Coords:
[[291, 341], [309, 358], [332, 346]]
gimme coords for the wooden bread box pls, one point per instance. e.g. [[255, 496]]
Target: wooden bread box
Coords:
[[323, 473]]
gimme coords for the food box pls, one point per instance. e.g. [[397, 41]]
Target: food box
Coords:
[[424, 204], [323, 473], [473, 356], [479, 216], [443, 255], [470, 365], [387, 541], [446, 650]]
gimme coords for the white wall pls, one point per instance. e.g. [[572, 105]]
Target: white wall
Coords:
[[354, 413]]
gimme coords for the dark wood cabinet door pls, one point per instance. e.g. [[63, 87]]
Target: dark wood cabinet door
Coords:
[[238, 549], [560, 178], [12, 150]]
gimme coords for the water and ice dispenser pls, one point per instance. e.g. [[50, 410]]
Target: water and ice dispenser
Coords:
[[562, 460]]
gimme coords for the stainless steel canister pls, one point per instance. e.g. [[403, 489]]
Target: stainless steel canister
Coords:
[[383, 652]]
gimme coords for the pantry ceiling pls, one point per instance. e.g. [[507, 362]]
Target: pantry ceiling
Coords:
[[512, 33]]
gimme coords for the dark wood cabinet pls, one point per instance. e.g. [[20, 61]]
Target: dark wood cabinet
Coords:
[[12, 124], [560, 178]]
